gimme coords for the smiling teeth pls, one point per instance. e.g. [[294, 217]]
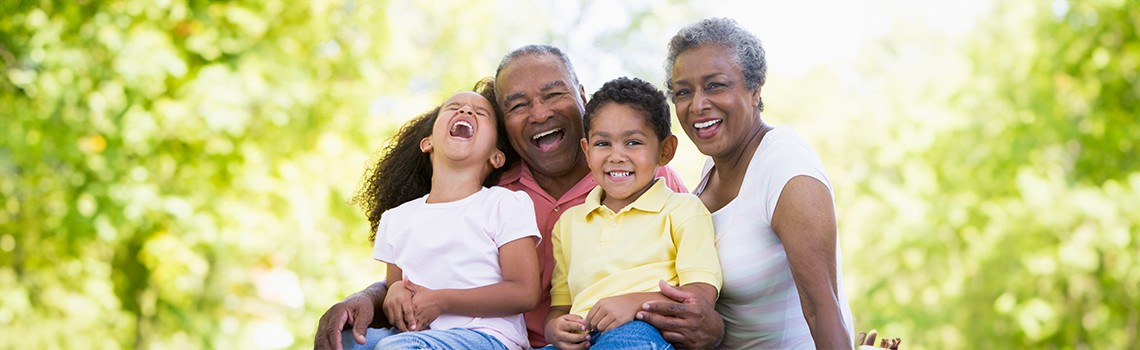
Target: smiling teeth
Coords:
[[536, 137], [706, 124], [461, 123], [620, 173]]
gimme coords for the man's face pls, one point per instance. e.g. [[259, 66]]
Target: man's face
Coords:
[[542, 112]]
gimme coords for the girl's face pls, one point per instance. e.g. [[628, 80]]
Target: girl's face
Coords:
[[464, 133]]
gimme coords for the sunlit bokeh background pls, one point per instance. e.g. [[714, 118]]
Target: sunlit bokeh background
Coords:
[[175, 174]]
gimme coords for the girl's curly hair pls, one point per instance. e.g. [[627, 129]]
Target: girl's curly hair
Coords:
[[400, 172]]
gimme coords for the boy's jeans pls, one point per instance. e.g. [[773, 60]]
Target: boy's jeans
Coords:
[[636, 335]]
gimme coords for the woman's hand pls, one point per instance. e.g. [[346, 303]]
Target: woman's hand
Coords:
[[398, 307], [690, 322], [425, 303], [567, 332], [868, 341]]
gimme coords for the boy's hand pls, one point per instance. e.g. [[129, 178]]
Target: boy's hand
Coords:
[[568, 332], [425, 303], [398, 307], [612, 312]]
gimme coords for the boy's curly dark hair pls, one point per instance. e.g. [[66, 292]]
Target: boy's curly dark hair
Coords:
[[637, 94], [400, 172]]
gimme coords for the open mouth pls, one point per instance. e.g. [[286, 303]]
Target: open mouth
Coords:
[[707, 124], [620, 174], [547, 140], [462, 129]]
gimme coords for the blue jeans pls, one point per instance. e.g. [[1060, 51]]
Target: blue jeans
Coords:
[[635, 335], [451, 339], [373, 337]]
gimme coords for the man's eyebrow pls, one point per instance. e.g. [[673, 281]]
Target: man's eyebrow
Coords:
[[553, 84], [514, 96]]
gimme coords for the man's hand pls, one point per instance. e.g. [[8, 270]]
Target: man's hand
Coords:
[[398, 307], [568, 332], [425, 304], [355, 311], [690, 323]]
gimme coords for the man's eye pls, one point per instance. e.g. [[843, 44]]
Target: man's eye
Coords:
[[553, 95], [714, 85]]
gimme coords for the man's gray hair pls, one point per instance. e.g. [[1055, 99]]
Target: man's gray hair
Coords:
[[748, 52], [538, 49]]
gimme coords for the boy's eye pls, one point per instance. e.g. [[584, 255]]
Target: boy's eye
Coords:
[[633, 142], [601, 143]]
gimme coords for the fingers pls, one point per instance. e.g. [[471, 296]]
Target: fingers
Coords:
[[676, 293], [589, 321], [871, 338], [674, 337], [359, 326], [411, 287], [859, 340], [409, 315], [328, 331], [667, 309]]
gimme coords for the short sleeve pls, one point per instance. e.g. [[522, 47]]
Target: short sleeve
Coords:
[[381, 248], [559, 284], [515, 216], [697, 259], [787, 157]]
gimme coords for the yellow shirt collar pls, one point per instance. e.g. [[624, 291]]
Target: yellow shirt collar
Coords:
[[653, 200]]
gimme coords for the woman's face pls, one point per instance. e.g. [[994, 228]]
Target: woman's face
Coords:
[[714, 107]]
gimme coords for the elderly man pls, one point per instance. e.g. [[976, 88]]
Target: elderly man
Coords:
[[542, 103]]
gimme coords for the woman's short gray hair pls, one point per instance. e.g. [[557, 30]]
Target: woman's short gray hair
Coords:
[[748, 52]]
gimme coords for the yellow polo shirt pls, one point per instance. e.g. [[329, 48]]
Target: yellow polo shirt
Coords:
[[660, 236]]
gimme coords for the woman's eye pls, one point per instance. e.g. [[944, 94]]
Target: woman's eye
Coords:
[[680, 93], [714, 85]]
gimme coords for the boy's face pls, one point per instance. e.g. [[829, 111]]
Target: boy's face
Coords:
[[623, 153]]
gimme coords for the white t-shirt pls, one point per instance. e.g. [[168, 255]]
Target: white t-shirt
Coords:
[[759, 301], [455, 245]]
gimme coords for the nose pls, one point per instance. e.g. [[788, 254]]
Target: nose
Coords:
[[700, 103], [466, 110], [540, 113]]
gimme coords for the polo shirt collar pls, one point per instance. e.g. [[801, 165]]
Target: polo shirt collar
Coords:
[[522, 175], [653, 200]]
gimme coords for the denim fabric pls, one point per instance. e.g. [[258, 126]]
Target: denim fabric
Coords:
[[372, 337], [636, 335], [451, 339]]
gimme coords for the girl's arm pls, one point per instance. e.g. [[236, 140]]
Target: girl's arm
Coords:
[[804, 220], [398, 301], [518, 293]]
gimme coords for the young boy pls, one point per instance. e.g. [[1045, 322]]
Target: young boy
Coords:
[[632, 232]]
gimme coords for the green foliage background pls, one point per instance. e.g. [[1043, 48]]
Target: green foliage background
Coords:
[[174, 174]]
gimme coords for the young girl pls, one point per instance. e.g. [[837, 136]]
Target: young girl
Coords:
[[462, 266]]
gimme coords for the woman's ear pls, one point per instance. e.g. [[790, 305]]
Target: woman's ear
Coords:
[[425, 144], [668, 150], [498, 159]]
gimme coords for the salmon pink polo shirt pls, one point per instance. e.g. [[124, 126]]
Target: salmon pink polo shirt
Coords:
[[547, 210]]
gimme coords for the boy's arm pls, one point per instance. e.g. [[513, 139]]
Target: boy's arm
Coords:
[[612, 312], [518, 293]]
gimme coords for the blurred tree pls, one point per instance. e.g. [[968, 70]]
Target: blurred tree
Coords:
[[174, 174]]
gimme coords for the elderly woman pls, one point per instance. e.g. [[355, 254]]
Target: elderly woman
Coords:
[[771, 203]]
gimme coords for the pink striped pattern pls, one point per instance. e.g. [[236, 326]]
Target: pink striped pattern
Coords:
[[759, 301]]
